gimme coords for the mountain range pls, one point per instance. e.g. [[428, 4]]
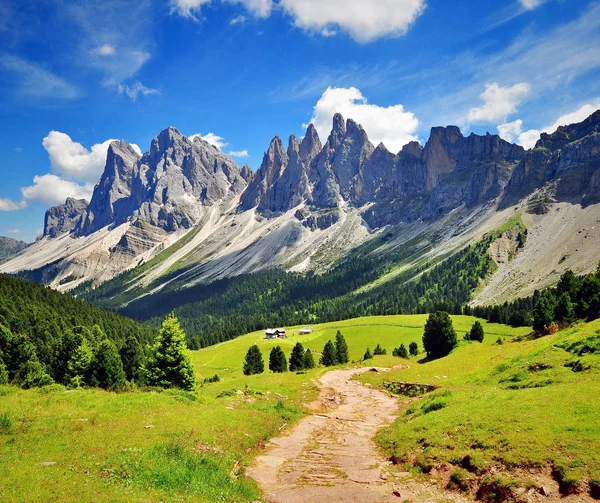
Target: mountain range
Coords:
[[10, 247], [184, 213]]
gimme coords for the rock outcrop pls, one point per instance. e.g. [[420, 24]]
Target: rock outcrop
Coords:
[[64, 217], [10, 247]]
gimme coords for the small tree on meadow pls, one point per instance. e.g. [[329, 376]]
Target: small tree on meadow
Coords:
[[476, 333], [439, 337], [401, 351], [132, 357], [308, 360], [169, 364], [379, 350], [413, 348], [544, 311], [253, 363], [341, 348], [368, 355], [328, 357], [297, 358], [107, 366], [277, 360]]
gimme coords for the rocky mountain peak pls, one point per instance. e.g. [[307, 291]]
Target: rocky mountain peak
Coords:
[[310, 145], [293, 145], [64, 217], [412, 149], [247, 174]]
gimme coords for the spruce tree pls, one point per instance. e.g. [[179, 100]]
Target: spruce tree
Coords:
[[277, 360], [132, 357], [169, 364], [297, 358], [565, 311], [400, 351], [253, 363], [476, 333], [328, 357], [341, 348], [80, 365], [413, 348], [544, 311], [367, 355], [308, 360], [379, 350], [108, 369], [439, 337]]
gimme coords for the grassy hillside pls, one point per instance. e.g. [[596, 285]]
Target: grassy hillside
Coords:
[[506, 408], [180, 446]]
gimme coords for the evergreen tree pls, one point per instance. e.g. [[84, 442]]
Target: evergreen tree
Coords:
[[253, 363], [341, 348], [3, 374], [132, 357], [308, 360], [544, 311], [589, 297], [439, 337], [108, 369], [297, 358], [413, 348], [169, 364], [32, 374], [568, 283], [400, 351], [476, 333], [328, 357], [80, 366], [379, 350], [565, 311], [277, 360], [367, 355]]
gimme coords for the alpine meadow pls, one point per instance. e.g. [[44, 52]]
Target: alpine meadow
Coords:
[[397, 301]]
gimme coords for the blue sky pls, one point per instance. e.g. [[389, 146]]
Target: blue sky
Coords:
[[75, 74]]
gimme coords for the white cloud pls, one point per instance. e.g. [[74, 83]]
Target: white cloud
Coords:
[[531, 4], [241, 154], [211, 138], [8, 205], [33, 80], [364, 21], [105, 50], [50, 189], [499, 102], [13, 231], [72, 160], [238, 20], [258, 8], [529, 138], [134, 90], [187, 8], [510, 130], [137, 149], [391, 125]]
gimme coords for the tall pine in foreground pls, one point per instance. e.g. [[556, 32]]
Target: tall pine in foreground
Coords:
[[341, 348], [308, 359], [108, 369], [297, 358], [253, 362], [328, 357], [277, 360], [169, 364]]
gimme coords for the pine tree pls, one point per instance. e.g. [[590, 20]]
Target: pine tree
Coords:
[[308, 360], [297, 358], [32, 374], [379, 350], [367, 355], [253, 363], [3, 374], [132, 357], [169, 365], [341, 348], [439, 337], [108, 369], [476, 333], [80, 366], [565, 311], [328, 357], [277, 360], [413, 348], [400, 351], [544, 311]]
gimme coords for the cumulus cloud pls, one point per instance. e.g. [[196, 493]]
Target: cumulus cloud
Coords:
[[531, 4], [187, 8], [242, 154], [72, 160], [212, 138], [33, 80], [363, 21], [578, 115], [134, 90], [258, 8], [498, 103], [105, 50], [51, 189], [393, 126], [510, 130], [528, 139], [8, 205]]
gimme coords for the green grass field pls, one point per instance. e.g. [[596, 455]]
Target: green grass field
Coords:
[[180, 446]]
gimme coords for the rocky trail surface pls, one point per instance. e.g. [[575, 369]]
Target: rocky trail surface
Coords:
[[332, 457]]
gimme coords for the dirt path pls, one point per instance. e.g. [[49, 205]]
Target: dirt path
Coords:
[[331, 457]]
